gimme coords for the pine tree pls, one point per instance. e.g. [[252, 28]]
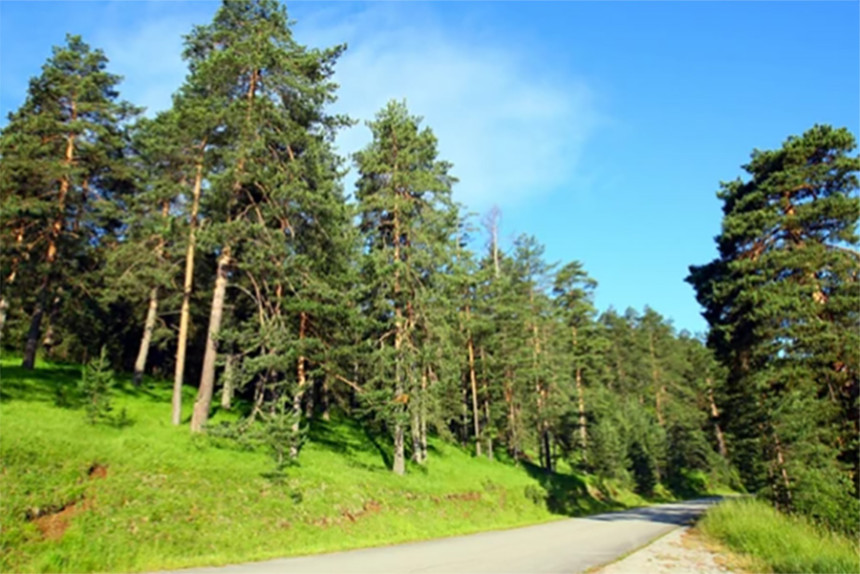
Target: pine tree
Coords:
[[573, 290], [269, 138], [63, 167], [140, 269], [408, 224], [97, 382], [782, 302]]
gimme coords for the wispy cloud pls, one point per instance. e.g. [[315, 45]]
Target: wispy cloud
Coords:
[[148, 52], [511, 127]]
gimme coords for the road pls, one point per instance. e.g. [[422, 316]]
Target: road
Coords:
[[571, 545]]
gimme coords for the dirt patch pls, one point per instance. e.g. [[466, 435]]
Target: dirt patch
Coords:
[[372, 507], [97, 471], [470, 496], [369, 507], [323, 522], [464, 496], [595, 493], [53, 522]]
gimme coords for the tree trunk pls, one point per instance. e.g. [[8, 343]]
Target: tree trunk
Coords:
[[4, 307], [580, 396], [783, 471], [10, 280], [475, 411], [311, 399], [151, 314], [512, 415], [33, 334], [301, 379], [324, 399], [658, 390], [547, 448], [415, 401], [229, 376], [32, 345], [148, 328], [415, 430], [200, 416], [399, 462], [715, 418], [423, 415], [487, 419], [539, 395], [493, 224], [185, 314]]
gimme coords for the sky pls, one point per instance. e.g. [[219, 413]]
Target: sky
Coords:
[[603, 129]]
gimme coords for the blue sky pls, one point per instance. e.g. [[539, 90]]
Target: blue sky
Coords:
[[603, 129]]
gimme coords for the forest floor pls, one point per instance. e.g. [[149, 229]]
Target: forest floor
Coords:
[[143, 494]]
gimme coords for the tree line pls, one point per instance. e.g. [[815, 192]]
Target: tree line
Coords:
[[215, 244]]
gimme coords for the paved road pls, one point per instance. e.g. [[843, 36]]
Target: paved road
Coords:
[[571, 545]]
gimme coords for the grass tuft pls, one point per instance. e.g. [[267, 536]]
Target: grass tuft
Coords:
[[777, 542]]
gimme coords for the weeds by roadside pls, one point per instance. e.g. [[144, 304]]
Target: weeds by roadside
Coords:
[[777, 542]]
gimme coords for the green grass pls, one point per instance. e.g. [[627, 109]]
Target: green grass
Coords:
[[776, 542], [173, 500]]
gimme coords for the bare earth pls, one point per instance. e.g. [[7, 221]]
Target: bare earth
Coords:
[[679, 552], [564, 546]]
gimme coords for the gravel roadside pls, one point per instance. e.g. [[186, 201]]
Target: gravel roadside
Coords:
[[679, 552]]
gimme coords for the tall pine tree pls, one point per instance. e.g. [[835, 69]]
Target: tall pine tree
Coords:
[[63, 166], [782, 300]]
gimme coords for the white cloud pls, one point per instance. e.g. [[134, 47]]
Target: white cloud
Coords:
[[149, 57], [512, 129]]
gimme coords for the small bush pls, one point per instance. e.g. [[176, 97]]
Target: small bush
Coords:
[[780, 542]]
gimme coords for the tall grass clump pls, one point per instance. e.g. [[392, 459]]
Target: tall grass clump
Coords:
[[780, 542]]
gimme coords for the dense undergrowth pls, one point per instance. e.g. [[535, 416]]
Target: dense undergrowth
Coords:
[[145, 495], [776, 542]]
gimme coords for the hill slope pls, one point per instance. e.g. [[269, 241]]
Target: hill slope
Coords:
[[147, 495]]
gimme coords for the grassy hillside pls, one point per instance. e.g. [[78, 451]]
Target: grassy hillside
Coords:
[[775, 542], [146, 495]]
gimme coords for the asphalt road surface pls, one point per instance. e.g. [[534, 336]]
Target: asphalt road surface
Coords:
[[571, 545]]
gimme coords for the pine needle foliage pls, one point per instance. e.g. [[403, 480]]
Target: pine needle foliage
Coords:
[[96, 385]]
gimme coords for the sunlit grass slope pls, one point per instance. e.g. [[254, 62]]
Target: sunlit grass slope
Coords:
[[775, 542], [147, 496]]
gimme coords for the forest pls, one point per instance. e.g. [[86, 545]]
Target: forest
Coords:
[[215, 245]]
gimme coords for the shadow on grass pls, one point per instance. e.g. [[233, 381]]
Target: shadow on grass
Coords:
[[352, 440], [568, 494], [58, 384]]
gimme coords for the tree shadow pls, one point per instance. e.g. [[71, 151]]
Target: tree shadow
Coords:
[[351, 440], [58, 384], [387, 457], [680, 515], [568, 494]]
